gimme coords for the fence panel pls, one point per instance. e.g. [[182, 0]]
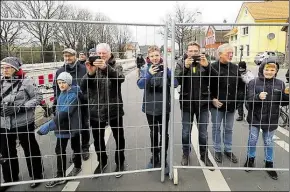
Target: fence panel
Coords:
[[133, 125], [198, 86]]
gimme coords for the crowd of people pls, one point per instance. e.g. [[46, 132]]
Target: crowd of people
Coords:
[[88, 97]]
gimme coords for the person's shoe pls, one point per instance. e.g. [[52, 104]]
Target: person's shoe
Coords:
[[101, 169], [250, 162], [206, 161], [55, 183], [231, 157], [120, 168], [218, 156], [185, 160], [272, 174], [34, 185], [240, 118], [74, 172], [4, 188], [154, 162]]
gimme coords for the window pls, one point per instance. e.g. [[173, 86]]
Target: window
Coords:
[[246, 11], [236, 51], [245, 30], [232, 38], [236, 37], [248, 50]]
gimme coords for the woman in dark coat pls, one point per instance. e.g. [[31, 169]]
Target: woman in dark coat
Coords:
[[265, 95]]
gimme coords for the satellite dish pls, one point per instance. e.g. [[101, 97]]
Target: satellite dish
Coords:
[[271, 36]]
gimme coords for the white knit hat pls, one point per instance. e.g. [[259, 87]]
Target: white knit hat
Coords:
[[65, 76]]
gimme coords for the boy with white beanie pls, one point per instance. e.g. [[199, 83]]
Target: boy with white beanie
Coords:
[[67, 125]]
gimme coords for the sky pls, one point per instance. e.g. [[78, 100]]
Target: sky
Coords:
[[155, 11]]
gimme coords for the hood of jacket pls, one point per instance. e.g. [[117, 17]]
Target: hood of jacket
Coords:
[[261, 69]]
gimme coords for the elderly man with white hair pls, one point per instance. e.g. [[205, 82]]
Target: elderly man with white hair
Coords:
[[225, 83], [101, 87]]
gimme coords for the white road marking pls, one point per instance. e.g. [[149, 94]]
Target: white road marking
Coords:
[[279, 142], [89, 166], [214, 179]]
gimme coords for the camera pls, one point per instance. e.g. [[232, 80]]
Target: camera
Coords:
[[92, 59], [160, 68], [196, 58]]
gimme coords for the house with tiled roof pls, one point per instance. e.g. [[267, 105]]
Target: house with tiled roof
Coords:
[[214, 38], [255, 39]]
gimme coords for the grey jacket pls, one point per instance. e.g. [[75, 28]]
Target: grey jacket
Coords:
[[28, 96]]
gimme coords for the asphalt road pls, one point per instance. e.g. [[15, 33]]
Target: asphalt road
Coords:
[[138, 155]]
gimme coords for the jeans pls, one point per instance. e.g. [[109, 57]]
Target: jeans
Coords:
[[217, 117], [240, 107], [98, 130], [60, 150], [202, 122], [268, 143], [155, 125]]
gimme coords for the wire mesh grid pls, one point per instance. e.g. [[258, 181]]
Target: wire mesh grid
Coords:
[[116, 131], [213, 135]]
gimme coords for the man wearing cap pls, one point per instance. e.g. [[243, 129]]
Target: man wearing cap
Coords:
[[77, 71], [82, 57], [101, 87], [92, 52]]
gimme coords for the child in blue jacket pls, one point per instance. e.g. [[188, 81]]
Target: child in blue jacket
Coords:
[[67, 125]]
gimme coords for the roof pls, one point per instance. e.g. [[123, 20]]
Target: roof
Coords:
[[220, 37], [222, 28], [267, 9], [285, 28], [232, 32]]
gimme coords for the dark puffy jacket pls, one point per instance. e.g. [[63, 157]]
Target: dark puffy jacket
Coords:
[[102, 91], [225, 83], [265, 113], [194, 92], [153, 91], [140, 62]]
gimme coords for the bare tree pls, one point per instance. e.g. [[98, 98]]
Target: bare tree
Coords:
[[182, 33], [41, 10], [10, 31], [71, 34], [123, 37]]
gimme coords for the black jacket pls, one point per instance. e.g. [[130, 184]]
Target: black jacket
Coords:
[[265, 114], [225, 84], [140, 62], [194, 92], [102, 91]]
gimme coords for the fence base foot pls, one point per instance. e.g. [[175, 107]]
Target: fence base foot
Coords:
[[175, 176]]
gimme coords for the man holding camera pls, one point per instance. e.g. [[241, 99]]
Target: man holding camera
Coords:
[[77, 70], [193, 75], [101, 87]]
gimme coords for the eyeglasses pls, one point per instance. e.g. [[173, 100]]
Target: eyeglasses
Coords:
[[5, 68]]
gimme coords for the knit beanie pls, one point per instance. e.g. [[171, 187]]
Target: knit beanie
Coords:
[[65, 76]]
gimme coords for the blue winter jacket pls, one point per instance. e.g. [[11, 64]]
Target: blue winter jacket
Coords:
[[67, 122]]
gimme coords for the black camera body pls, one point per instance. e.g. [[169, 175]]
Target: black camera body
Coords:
[[160, 67], [92, 59]]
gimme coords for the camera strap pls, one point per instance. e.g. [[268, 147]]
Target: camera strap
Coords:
[[9, 90]]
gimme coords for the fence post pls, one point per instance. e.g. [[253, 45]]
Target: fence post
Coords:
[[164, 103], [171, 142]]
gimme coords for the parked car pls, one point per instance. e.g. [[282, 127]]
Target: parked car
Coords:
[[261, 56]]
